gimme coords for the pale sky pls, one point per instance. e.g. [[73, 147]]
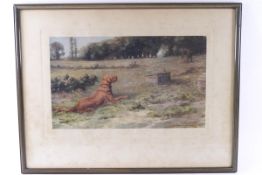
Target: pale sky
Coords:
[[81, 42]]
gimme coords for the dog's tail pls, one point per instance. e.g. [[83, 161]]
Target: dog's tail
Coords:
[[61, 109]]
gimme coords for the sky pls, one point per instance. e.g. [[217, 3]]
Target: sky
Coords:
[[81, 42]]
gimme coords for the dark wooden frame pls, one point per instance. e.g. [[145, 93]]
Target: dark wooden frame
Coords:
[[24, 169]]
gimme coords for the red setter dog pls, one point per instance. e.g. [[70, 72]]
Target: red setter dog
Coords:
[[101, 96]]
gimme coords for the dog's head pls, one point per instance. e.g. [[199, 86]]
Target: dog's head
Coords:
[[108, 79]]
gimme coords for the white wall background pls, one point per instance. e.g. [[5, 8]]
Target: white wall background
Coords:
[[250, 143]]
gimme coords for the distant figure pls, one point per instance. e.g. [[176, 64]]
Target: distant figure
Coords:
[[186, 53], [102, 95]]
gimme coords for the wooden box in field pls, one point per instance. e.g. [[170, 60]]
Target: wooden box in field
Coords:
[[163, 78]]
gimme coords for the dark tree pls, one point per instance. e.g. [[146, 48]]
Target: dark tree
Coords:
[[56, 50], [144, 47]]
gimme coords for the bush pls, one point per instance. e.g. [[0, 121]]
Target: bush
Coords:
[[69, 84]]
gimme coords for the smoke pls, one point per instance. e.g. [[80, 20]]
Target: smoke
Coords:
[[163, 51]]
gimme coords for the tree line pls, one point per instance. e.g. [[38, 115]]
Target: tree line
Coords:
[[139, 47]]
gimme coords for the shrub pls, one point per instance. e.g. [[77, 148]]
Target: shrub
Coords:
[[136, 107], [69, 84], [173, 111]]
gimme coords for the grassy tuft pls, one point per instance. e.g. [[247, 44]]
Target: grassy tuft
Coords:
[[174, 111]]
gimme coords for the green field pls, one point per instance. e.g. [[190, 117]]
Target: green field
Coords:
[[181, 103]]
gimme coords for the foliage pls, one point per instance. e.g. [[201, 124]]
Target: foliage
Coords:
[[174, 111], [56, 50], [143, 47], [69, 84]]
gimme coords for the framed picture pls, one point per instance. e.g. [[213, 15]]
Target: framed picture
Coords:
[[128, 88]]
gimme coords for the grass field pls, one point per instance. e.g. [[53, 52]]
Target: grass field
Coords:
[[181, 103]]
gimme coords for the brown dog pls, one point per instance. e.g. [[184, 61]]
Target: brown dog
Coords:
[[102, 95]]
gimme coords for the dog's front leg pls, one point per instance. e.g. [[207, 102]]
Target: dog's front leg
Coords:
[[111, 99], [121, 97]]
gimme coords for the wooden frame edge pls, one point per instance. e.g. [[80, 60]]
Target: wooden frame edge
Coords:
[[25, 170], [19, 87]]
